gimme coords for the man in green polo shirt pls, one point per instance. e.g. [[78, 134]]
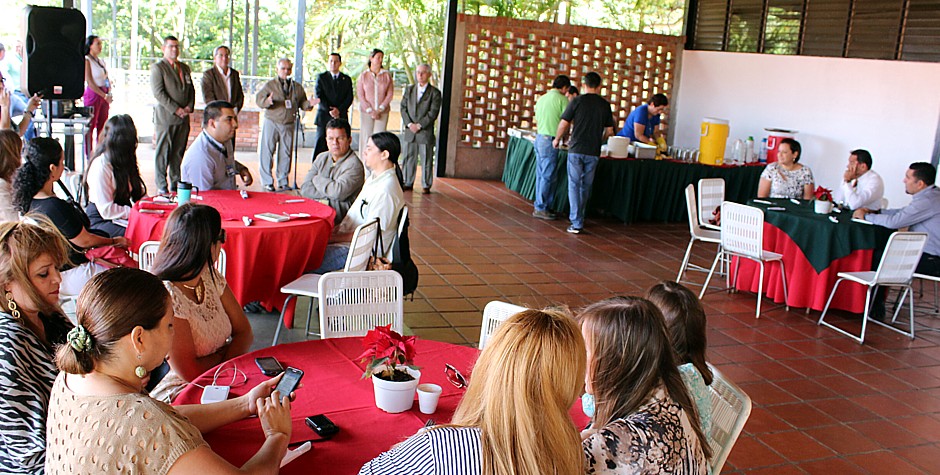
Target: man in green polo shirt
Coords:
[[548, 112]]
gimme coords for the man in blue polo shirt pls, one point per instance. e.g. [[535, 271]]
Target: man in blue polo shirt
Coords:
[[548, 110], [641, 124]]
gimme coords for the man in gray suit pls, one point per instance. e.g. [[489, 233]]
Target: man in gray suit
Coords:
[[280, 98], [336, 176], [420, 105], [172, 87]]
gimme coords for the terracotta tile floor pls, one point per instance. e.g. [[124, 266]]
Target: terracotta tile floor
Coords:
[[822, 403]]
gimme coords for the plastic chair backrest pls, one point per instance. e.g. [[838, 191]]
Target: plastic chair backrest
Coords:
[[401, 220], [711, 194], [900, 259], [742, 229], [692, 209], [730, 409], [352, 303], [494, 314], [360, 248], [148, 253]]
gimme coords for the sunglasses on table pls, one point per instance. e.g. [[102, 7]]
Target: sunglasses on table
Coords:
[[454, 376]]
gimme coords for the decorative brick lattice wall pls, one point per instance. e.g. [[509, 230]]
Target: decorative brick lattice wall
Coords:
[[507, 64]]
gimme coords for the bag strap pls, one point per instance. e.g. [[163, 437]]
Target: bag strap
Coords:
[[378, 247]]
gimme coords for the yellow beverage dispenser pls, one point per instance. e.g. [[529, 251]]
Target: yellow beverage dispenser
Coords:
[[712, 143]]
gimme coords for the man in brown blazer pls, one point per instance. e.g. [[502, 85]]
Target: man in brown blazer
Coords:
[[222, 83], [172, 86]]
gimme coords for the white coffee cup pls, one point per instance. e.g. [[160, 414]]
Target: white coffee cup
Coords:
[[428, 395]]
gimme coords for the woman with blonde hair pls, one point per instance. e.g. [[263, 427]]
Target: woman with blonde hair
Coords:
[[31, 325], [642, 418], [102, 421], [11, 147], [514, 417]]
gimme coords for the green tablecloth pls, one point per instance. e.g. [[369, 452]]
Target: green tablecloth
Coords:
[[822, 240], [630, 190]]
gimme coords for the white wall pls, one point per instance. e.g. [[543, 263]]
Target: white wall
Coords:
[[890, 108]]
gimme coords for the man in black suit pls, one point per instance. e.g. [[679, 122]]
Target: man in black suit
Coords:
[[334, 89]]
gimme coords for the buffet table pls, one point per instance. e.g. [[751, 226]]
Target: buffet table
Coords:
[[332, 385], [628, 189], [261, 258], [815, 249]]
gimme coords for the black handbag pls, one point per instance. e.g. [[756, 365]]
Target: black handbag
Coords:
[[401, 259]]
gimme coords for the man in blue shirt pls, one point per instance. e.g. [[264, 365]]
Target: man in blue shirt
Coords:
[[640, 125]]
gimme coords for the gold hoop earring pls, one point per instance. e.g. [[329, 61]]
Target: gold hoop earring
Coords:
[[12, 306], [140, 371]]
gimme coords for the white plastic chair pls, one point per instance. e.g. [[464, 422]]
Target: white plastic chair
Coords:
[[494, 314], [896, 269], [148, 253], [935, 280], [742, 236], [308, 285], [731, 408], [711, 194], [697, 233], [352, 303]]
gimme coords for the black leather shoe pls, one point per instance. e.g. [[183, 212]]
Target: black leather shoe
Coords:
[[269, 188]]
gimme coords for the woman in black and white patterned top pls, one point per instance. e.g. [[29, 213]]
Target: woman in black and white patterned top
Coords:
[[514, 416], [643, 419], [31, 325], [787, 178]]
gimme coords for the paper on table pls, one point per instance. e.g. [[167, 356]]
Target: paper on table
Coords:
[[293, 454], [862, 221], [763, 202]]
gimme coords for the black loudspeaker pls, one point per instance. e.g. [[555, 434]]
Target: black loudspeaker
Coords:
[[54, 62]]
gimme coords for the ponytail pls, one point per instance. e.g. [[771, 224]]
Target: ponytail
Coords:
[[686, 321]]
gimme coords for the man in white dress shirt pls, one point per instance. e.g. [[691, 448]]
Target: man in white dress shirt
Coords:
[[861, 186]]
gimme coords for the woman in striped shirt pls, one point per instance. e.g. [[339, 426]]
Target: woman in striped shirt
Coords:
[[514, 417], [31, 325]]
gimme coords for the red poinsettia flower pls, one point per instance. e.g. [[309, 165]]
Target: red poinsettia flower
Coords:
[[384, 346], [823, 194]]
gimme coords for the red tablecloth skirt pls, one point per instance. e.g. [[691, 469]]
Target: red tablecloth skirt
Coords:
[[806, 288], [263, 257], [332, 386]]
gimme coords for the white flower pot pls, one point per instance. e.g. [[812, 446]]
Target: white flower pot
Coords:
[[395, 396], [823, 207]]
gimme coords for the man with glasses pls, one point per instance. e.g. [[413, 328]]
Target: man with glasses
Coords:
[[280, 98]]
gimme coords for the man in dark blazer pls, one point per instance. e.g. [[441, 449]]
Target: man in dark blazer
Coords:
[[420, 105], [172, 86], [222, 83], [335, 91]]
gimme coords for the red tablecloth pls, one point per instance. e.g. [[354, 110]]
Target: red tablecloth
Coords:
[[806, 288], [263, 257], [332, 386]]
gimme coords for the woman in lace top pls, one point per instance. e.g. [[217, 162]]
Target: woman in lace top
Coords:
[[102, 421], [685, 318], [643, 420], [786, 178], [211, 326]]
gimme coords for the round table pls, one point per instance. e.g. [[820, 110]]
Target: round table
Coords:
[[815, 249], [262, 257], [332, 385]]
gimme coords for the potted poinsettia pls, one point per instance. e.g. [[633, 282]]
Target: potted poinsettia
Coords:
[[389, 360], [823, 203]]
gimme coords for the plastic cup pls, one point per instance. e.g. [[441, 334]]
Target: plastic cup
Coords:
[[428, 395]]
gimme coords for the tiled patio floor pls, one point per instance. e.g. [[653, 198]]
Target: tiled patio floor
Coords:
[[822, 403]]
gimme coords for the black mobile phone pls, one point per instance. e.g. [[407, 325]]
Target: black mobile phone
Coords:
[[269, 366], [322, 425], [289, 381]]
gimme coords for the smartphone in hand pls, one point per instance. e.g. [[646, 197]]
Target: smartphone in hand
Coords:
[[289, 381]]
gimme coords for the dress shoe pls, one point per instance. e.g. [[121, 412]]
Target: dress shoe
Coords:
[[546, 215], [427, 191], [407, 188], [269, 188]]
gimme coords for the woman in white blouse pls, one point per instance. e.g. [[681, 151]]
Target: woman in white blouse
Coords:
[[97, 90], [11, 146], [113, 180]]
